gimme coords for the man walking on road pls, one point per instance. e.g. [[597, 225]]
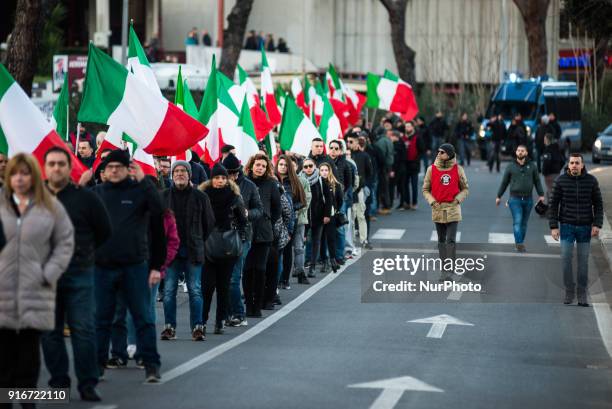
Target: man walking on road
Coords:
[[575, 215], [522, 176], [75, 288], [445, 187]]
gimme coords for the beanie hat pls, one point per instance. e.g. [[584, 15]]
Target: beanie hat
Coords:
[[449, 149], [231, 163], [218, 170], [183, 163], [119, 155]]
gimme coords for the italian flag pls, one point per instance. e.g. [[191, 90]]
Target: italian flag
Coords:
[[138, 64], [297, 131], [390, 93], [113, 95], [247, 145], [338, 90], [316, 103], [299, 95], [280, 96], [267, 91], [220, 116], [183, 98], [59, 120], [270, 145], [261, 123], [329, 128], [23, 127]]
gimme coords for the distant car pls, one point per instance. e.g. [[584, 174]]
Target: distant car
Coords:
[[602, 147], [166, 74]]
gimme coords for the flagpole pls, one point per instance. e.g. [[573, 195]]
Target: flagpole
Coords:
[[78, 136], [67, 136]]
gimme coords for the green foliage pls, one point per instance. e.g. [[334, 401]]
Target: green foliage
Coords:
[[52, 39]]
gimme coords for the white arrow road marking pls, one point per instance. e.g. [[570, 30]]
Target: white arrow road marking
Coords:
[[439, 323], [393, 389]]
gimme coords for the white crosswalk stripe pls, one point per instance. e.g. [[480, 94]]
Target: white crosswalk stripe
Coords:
[[434, 236], [550, 241], [389, 234], [499, 238]]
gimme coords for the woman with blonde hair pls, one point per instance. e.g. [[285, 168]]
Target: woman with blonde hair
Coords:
[[337, 194], [39, 247]]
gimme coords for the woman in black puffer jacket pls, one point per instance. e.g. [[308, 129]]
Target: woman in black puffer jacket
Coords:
[[228, 209], [259, 171]]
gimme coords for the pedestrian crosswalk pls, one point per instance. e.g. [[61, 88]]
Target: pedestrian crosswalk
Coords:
[[493, 237]]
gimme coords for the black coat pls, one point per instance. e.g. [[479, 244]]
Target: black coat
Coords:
[[92, 225], [438, 127], [136, 214], [321, 202], [498, 130], [198, 219], [399, 156], [344, 172], [576, 200], [270, 201], [252, 202], [539, 138], [464, 130], [552, 160], [425, 136], [365, 170]]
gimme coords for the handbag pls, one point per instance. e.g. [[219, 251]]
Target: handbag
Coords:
[[341, 219], [223, 244]]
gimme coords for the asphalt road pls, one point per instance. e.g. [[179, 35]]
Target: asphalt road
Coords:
[[512, 345]]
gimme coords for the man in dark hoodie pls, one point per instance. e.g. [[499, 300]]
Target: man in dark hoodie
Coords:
[[129, 262], [575, 215], [522, 176], [252, 202]]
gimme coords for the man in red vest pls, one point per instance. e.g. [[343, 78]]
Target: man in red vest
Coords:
[[445, 187]]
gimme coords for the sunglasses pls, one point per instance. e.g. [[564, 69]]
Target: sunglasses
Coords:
[[440, 152], [308, 166], [334, 148]]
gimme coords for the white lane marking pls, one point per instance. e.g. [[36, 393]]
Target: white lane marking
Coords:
[[253, 331], [550, 241], [434, 236], [389, 234], [393, 389], [439, 323], [501, 238], [105, 407], [603, 314], [476, 252]]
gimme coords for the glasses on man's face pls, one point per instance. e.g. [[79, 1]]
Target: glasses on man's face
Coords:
[[334, 148], [308, 166], [441, 152]]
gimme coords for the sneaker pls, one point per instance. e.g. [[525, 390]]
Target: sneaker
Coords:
[[569, 297], [366, 245], [116, 363], [152, 374], [521, 248], [285, 286], [238, 322], [140, 363], [168, 333], [302, 279], [582, 298], [131, 350], [198, 333], [89, 394], [277, 300], [219, 329]]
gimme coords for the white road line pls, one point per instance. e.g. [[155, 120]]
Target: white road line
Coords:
[[476, 252], [501, 238], [253, 331], [105, 407], [603, 314], [434, 236], [389, 234]]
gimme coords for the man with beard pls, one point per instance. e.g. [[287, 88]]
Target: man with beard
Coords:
[[522, 176]]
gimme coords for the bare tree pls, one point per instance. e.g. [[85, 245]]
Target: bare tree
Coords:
[[534, 17], [404, 55], [23, 46], [233, 36]]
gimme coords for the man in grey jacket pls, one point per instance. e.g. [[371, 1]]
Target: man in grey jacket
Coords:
[[385, 147]]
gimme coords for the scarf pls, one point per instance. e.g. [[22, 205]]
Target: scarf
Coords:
[[312, 179]]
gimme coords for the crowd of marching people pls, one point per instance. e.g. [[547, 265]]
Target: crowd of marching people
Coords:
[[100, 254]]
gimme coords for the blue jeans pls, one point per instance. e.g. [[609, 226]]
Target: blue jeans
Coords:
[[236, 305], [374, 196], [132, 283], [520, 207], [464, 150], [193, 277], [341, 234], [124, 330], [75, 302], [582, 236]]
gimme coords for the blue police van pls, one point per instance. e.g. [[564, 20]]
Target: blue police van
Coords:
[[533, 98]]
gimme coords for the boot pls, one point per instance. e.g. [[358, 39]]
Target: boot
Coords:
[[582, 297], [311, 271], [325, 267], [302, 279], [334, 265], [570, 294]]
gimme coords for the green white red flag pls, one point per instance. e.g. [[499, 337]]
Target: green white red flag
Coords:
[[392, 94], [267, 91], [296, 131], [59, 120], [247, 145], [113, 95], [23, 127], [261, 123]]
